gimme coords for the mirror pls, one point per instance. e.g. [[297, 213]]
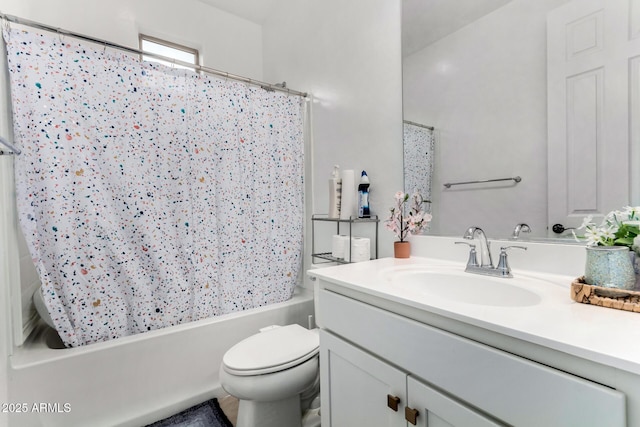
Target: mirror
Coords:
[[476, 70]]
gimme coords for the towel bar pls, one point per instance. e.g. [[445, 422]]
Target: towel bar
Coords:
[[516, 179]]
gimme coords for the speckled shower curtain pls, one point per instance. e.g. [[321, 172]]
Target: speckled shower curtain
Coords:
[[418, 146], [151, 196]]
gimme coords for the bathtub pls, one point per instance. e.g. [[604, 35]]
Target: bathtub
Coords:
[[135, 380]]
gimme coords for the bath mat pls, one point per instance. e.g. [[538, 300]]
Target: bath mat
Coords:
[[206, 414]]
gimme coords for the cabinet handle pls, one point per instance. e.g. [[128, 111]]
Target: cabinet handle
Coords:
[[393, 402], [411, 415]]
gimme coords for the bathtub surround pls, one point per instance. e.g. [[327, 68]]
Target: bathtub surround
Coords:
[[185, 190]]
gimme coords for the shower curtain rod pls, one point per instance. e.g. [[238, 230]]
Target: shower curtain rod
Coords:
[[10, 146], [418, 124], [268, 86]]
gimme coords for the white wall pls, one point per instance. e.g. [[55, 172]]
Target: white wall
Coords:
[[484, 89], [348, 54]]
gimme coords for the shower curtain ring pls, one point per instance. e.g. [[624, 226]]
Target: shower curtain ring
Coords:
[[60, 35]]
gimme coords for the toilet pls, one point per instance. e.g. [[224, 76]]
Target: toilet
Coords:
[[275, 376]]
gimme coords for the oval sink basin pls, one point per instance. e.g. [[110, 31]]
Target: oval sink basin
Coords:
[[464, 287]]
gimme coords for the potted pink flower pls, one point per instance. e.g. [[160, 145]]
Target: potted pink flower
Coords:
[[404, 220]]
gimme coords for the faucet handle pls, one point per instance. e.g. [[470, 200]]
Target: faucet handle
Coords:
[[503, 265], [473, 260], [465, 243]]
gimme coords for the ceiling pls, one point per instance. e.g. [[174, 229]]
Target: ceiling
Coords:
[[251, 10], [423, 22]]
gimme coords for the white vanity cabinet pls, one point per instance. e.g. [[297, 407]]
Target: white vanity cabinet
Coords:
[[357, 388], [371, 355], [362, 390]]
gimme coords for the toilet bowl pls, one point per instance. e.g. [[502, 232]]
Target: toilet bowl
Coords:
[[274, 374]]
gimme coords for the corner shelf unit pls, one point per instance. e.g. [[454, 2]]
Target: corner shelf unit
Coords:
[[326, 256]]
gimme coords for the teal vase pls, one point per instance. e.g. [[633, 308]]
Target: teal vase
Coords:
[[609, 267]]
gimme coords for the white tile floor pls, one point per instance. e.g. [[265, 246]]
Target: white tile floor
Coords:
[[229, 406]]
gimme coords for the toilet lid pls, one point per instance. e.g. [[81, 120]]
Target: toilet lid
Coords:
[[271, 351]]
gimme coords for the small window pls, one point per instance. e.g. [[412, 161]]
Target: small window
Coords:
[[169, 50]]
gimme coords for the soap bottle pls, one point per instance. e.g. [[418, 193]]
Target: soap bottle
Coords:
[[335, 192], [363, 196]]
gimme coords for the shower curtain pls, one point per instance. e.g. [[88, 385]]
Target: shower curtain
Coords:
[[151, 196], [419, 146]]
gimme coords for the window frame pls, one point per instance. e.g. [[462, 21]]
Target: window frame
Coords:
[[171, 45]]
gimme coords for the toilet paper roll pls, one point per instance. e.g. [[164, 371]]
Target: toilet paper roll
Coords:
[[339, 244], [348, 196], [360, 249]]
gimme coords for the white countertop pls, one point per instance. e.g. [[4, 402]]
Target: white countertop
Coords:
[[607, 336]]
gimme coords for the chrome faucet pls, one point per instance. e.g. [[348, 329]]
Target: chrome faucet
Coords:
[[485, 254], [524, 228], [486, 264]]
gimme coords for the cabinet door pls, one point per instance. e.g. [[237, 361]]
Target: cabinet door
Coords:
[[357, 388], [437, 410], [513, 389]]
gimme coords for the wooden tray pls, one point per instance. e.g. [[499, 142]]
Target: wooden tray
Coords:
[[605, 297]]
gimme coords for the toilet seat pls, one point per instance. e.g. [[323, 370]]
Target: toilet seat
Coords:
[[271, 351]]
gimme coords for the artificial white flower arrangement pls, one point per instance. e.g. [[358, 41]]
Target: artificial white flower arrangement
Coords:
[[413, 221], [618, 228]]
